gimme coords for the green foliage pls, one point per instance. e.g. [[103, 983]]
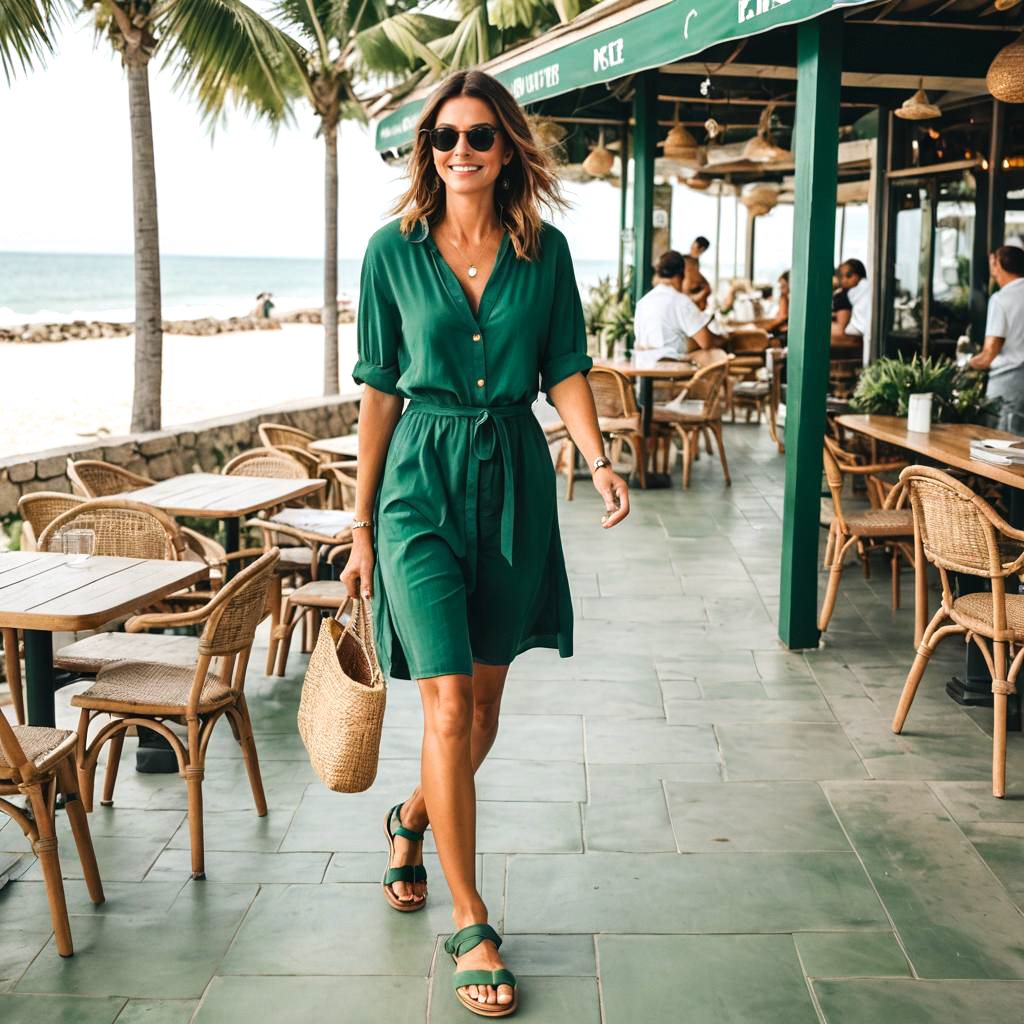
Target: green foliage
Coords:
[[10, 532], [27, 28], [958, 395], [609, 318]]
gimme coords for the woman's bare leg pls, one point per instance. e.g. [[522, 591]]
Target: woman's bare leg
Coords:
[[488, 685], [449, 793]]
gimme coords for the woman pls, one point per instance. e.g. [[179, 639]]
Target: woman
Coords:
[[666, 320], [778, 325], [464, 302]]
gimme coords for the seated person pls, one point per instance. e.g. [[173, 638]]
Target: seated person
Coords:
[[852, 338], [666, 320], [695, 284], [778, 325], [841, 308]]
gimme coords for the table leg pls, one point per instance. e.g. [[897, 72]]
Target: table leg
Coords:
[[39, 687], [232, 533], [653, 480]]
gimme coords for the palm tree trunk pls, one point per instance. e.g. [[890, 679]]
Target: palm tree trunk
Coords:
[[330, 311], [148, 314]]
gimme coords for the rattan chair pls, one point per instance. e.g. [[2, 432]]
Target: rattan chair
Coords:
[[92, 478], [696, 411], [273, 435], [40, 509], [957, 531], [618, 418], [123, 528], [136, 693], [266, 462], [37, 763], [890, 525]]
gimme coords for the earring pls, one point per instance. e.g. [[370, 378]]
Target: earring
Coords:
[[504, 181]]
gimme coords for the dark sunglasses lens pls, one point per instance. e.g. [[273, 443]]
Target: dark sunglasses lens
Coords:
[[444, 139], [481, 138]]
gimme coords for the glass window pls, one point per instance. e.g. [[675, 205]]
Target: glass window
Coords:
[[909, 203], [951, 259]]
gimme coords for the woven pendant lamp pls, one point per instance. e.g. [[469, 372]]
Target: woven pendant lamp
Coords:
[[1006, 5], [599, 160], [698, 182], [760, 149], [918, 108], [1005, 78], [679, 144]]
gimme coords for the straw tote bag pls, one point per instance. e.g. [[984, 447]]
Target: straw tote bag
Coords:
[[342, 705]]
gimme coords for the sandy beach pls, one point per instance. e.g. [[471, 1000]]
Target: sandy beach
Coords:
[[60, 394]]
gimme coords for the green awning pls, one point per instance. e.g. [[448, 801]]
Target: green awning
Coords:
[[631, 38]]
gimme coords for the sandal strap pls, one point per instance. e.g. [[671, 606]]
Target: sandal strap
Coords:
[[503, 976], [406, 873], [401, 830], [469, 938]]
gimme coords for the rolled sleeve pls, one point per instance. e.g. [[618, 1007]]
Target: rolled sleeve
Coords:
[[996, 323], [378, 329], [566, 350]]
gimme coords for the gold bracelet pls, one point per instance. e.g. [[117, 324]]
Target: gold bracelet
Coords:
[[358, 524]]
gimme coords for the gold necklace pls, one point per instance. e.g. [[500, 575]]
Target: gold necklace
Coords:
[[472, 268]]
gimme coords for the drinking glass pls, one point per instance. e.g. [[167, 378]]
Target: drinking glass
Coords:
[[78, 545]]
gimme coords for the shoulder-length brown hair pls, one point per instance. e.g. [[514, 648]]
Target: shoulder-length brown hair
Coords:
[[532, 182]]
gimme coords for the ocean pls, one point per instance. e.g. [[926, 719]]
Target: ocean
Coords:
[[55, 287]]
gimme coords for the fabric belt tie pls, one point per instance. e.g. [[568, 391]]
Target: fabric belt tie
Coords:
[[488, 434]]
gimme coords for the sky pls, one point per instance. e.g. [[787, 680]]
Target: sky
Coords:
[[244, 191]]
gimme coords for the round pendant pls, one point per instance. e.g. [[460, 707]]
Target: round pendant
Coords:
[[472, 271]]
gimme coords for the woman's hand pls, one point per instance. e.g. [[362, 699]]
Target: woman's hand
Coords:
[[358, 573], [615, 492]]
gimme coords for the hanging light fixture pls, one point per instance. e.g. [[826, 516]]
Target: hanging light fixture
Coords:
[[699, 183], [1006, 5], [1005, 78], [599, 160], [679, 144], [918, 107], [760, 198], [760, 149]]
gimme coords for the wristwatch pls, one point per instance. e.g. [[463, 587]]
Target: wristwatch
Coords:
[[599, 462]]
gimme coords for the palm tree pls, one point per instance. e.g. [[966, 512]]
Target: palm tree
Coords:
[[223, 52], [342, 43]]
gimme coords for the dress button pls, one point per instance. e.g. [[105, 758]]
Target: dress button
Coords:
[[480, 383], [476, 337]]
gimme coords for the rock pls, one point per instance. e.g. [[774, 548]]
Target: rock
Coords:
[[157, 445], [21, 472], [161, 467], [9, 495], [120, 455], [56, 465]]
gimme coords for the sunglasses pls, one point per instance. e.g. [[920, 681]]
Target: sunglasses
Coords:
[[480, 137]]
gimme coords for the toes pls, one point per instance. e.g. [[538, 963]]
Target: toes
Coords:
[[492, 996], [504, 993]]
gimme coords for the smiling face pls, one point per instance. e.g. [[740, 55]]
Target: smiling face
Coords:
[[464, 169]]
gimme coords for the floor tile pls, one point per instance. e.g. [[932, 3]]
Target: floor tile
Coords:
[[703, 979], [851, 955], [615, 892], [301, 1000], [715, 712], [243, 867], [637, 822], [612, 741], [954, 918], [752, 817], [153, 956], [48, 1009], [158, 1011], [238, 831], [558, 781], [919, 1002], [787, 751]]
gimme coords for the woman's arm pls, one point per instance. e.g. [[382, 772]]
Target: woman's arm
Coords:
[[574, 401], [378, 416]]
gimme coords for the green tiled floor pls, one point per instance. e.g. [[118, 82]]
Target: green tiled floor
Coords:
[[685, 822]]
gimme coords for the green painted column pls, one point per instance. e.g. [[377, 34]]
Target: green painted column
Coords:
[[645, 131], [816, 137]]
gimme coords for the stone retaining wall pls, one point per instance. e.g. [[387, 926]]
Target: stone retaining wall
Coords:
[[191, 448]]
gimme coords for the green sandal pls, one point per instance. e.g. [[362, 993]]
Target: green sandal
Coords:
[[462, 942], [407, 872]]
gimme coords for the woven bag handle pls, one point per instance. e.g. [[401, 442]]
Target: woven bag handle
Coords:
[[359, 621]]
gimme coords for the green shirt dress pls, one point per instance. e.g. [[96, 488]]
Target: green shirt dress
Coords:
[[469, 562]]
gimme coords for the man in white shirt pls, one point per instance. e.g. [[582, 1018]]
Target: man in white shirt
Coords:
[[666, 320], [1003, 352], [853, 277]]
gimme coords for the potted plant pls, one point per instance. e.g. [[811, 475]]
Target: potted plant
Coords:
[[958, 394]]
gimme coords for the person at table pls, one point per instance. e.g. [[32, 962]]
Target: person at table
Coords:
[[856, 333], [666, 319], [778, 325], [695, 284], [1003, 351], [841, 308]]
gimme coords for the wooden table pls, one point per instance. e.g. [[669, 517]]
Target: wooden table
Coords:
[[228, 498], [346, 446], [42, 594], [949, 443]]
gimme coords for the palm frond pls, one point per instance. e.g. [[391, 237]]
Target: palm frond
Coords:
[[224, 51], [400, 43], [27, 30], [312, 20], [508, 14], [567, 9]]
